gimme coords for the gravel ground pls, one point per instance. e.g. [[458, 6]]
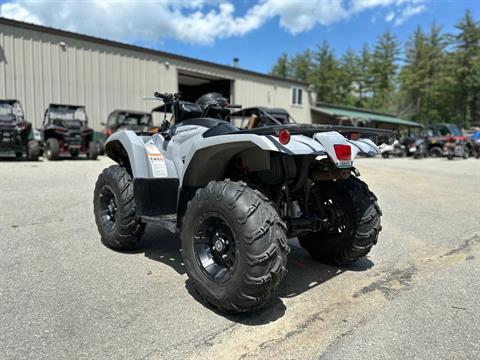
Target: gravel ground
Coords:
[[64, 295]]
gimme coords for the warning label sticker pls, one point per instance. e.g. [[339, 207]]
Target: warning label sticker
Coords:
[[156, 160]]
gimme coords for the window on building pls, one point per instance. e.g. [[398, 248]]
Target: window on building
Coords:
[[297, 95]]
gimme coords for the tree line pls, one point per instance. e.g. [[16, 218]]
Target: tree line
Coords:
[[433, 78]]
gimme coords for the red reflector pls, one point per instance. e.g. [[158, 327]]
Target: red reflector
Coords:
[[284, 136], [343, 152]]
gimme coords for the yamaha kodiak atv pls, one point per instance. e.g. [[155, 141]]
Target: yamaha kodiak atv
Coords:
[[236, 196], [65, 132], [16, 134]]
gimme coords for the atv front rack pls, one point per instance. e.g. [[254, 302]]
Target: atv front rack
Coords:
[[378, 136]]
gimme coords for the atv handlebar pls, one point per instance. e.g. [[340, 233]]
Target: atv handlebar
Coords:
[[167, 97]]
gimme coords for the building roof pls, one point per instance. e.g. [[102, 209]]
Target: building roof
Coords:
[[357, 113], [118, 44]]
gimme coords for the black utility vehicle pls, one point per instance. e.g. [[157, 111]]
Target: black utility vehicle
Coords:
[[65, 132], [138, 121], [16, 135], [255, 117]]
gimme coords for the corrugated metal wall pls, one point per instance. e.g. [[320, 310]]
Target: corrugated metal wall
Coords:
[[37, 70]]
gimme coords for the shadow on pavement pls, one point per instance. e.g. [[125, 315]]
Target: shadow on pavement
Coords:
[[304, 273], [42, 159], [19, 159]]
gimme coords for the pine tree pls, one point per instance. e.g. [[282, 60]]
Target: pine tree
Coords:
[[467, 57], [325, 75], [348, 72], [384, 70], [364, 79], [301, 66], [281, 68]]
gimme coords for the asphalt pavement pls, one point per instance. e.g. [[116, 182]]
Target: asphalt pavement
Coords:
[[63, 295]]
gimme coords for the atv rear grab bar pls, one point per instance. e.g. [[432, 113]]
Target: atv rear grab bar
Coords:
[[381, 135]]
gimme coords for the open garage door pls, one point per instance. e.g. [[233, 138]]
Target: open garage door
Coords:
[[192, 86]]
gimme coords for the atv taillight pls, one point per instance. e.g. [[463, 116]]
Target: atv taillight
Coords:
[[343, 152], [284, 136]]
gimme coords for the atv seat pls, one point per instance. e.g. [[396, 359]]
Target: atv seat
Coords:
[[221, 128], [215, 126]]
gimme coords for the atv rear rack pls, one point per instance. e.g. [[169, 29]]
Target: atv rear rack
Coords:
[[351, 132]]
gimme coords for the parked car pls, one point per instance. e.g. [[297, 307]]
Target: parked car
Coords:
[[452, 140], [17, 137], [66, 132]]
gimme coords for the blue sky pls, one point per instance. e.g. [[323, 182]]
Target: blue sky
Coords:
[[256, 31]]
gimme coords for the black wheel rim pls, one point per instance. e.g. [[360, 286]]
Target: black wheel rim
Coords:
[[338, 221], [108, 208], [214, 247]]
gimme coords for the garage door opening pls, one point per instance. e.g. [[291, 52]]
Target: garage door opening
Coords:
[[192, 86]]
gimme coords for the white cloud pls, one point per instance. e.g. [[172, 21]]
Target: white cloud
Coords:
[[197, 21], [390, 16], [408, 12]]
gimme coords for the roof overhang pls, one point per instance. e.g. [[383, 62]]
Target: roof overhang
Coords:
[[351, 113]]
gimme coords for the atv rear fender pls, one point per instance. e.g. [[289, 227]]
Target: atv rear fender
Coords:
[[208, 158]]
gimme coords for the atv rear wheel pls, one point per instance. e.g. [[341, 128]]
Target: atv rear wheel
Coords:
[[52, 150], [33, 150], [234, 246], [92, 153], [354, 217], [114, 209]]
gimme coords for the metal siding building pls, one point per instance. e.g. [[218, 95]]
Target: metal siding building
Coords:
[[40, 65]]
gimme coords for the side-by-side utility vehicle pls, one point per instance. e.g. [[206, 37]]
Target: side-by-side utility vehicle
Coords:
[[236, 196], [17, 137], [66, 132]]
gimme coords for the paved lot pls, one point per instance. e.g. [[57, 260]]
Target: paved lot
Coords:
[[64, 295]]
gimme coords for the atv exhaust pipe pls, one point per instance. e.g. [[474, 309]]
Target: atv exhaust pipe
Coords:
[[325, 170], [330, 174]]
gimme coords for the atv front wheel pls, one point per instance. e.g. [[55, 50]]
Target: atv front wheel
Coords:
[[354, 218], [33, 150], [114, 209], [52, 149], [234, 246]]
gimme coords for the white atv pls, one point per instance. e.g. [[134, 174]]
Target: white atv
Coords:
[[236, 196]]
